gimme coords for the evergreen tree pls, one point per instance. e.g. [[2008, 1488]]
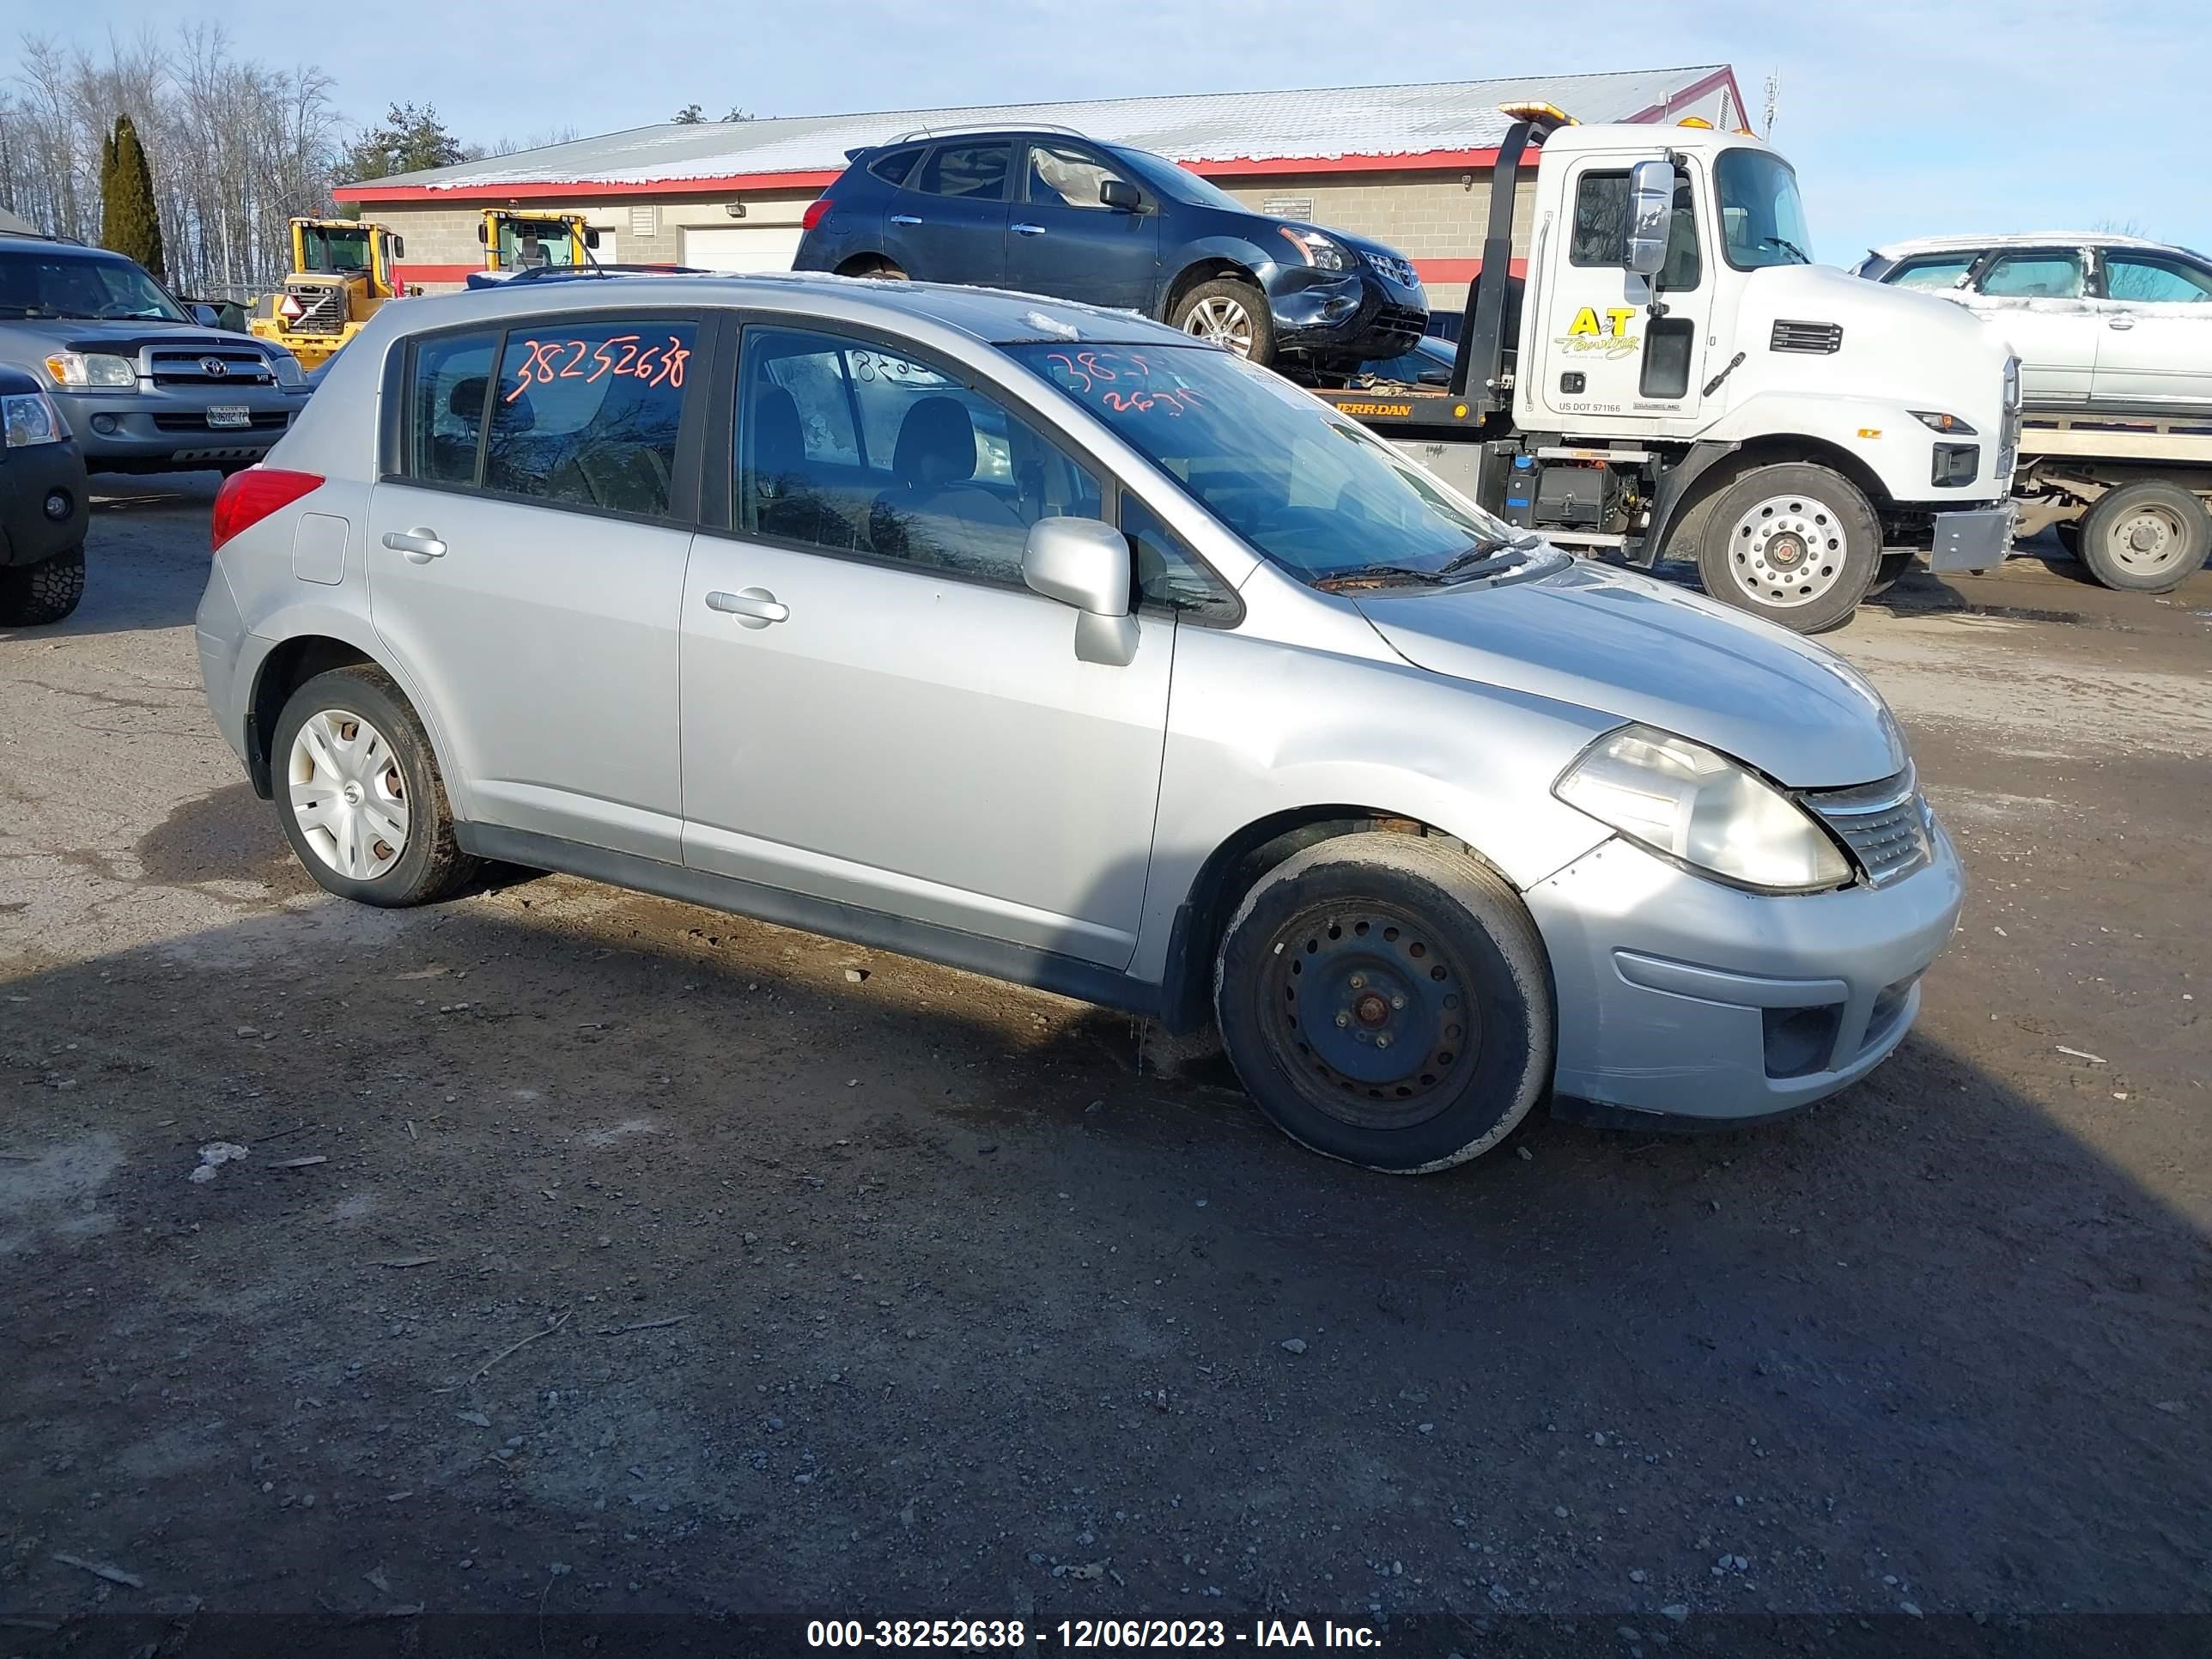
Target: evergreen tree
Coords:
[[409, 140], [128, 222]]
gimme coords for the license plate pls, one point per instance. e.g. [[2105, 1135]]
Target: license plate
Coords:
[[229, 414]]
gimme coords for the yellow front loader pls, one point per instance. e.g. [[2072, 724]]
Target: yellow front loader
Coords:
[[341, 273], [514, 241]]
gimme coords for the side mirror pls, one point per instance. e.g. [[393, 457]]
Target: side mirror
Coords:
[[1650, 216], [1086, 564], [205, 315], [1120, 195], [397, 245], [483, 237], [590, 237]]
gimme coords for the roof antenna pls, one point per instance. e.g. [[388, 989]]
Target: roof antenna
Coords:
[[1774, 100]]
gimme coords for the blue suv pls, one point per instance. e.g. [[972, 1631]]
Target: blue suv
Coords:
[[1052, 212]]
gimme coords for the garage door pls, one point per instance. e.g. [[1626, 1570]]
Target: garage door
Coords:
[[742, 247]]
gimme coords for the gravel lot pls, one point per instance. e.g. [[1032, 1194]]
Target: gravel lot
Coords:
[[592, 1254]]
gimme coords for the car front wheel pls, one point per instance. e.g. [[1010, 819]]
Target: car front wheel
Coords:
[[1384, 1000], [1231, 314], [359, 792]]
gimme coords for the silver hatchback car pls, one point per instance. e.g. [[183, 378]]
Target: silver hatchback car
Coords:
[[1054, 644]]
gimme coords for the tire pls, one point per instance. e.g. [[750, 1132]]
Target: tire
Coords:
[[1364, 939], [882, 270], [2069, 531], [1797, 543], [2148, 537], [367, 765], [1232, 315], [33, 595], [1888, 574]]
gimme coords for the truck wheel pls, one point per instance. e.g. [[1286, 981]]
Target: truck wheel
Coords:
[[1232, 314], [1795, 542], [359, 792], [1385, 1000], [2146, 537], [1888, 574], [31, 595]]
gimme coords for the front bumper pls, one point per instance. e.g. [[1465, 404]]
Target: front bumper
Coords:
[[1684, 998], [1973, 538], [1357, 313], [168, 430], [27, 476]]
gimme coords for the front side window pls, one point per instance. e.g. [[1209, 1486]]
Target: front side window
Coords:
[[1067, 178], [2155, 281], [1934, 272], [851, 447], [450, 383], [1601, 232], [977, 172], [2037, 274], [1762, 215], [586, 414], [81, 285], [1307, 487]]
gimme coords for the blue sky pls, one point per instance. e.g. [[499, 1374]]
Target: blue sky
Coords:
[[1903, 119]]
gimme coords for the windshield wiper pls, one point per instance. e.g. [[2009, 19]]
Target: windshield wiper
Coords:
[[1476, 562], [1788, 247], [1373, 575], [1481, 561]]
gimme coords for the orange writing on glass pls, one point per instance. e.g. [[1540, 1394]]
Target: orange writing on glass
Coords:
[[546, 360]]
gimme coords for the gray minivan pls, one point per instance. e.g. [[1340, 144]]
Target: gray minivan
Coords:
[[144, 387]]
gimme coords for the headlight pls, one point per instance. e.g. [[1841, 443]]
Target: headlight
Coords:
[[1935, 421], [1683, 801], [1323, 252], [30, 417], [286, 367], [82, 371]]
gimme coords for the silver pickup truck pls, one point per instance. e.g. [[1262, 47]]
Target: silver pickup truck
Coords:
[[144, 387]]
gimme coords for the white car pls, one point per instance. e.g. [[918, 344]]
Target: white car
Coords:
[[2096, 319]]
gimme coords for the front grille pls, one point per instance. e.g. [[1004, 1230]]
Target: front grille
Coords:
[[1819, 337], [1884, 824], [323, 308], [1402, 319], [1400, 271], [179, 367], [273, 421]]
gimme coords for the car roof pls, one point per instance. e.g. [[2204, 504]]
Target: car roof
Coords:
[[2021, 238], [989, 315]]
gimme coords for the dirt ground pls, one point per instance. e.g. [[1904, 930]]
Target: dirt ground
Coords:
[[594, 1254]]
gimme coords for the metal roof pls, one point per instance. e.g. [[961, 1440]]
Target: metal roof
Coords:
[[2021, 238], [1323, 125]]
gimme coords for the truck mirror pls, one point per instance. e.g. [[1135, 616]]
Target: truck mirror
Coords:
[[1650, 216], [590, 237], [481, 236], [1119, 195], [398, 247], [205, 315]]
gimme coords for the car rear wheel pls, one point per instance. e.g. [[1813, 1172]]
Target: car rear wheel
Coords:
[[31, 595], [1384, 1000], [359, 792], [1795, 542], [2146, 537], [1231, 314]]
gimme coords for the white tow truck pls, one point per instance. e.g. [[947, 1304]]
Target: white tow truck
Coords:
[[1674, 376]]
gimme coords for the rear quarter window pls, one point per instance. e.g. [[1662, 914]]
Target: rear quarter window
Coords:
[[893, 168]]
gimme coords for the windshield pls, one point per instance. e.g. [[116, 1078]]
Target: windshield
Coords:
[[534, 242], [87, 285], [1310, 488], [329, 249], [1169, 180], [1762, 217]]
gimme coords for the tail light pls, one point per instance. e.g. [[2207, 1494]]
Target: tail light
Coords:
[[248, 497], [815, 209]]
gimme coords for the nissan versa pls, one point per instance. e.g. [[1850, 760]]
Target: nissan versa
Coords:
[[1055, 213], [1054, 644]]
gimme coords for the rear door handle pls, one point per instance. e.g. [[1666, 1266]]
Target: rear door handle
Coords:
[[2121, 322], [1028, 230], [753, 607], [904, 219], [420, 544]]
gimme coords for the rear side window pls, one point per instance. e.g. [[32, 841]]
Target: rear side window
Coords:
[[2051, 274], [452, 384], [1936, 272], [586, 414], [977, 172], [2162, 281], [893, 168]]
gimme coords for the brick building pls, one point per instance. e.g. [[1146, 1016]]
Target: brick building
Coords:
[[1405, 164]]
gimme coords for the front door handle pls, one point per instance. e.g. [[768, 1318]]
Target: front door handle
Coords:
[[1028, 230], [904, 219], [753, 607], [2121, 322], [421, 544]]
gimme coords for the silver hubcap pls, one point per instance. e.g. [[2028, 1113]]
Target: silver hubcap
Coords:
[[1222, 320], [2148, 540], [348, 796], [1787, 551]]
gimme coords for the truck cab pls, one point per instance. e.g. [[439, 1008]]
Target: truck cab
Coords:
[[1675, 376], [341, 273], [515, 241]]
